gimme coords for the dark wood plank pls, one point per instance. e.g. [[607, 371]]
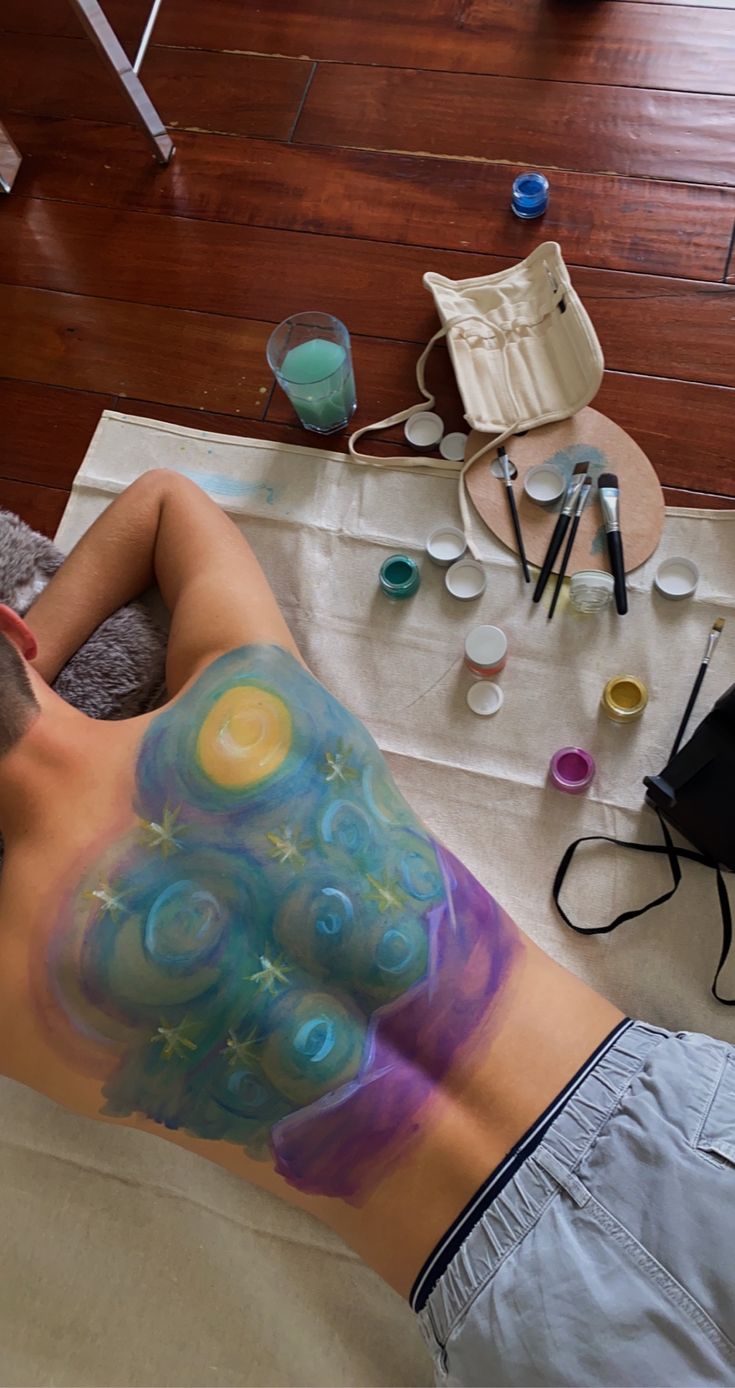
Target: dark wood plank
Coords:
[[231, 92], [46, 431], [40, 507], [675, 496], [133, 349], [56, 17], [638, 45], [685, 429], [649, 325], [670, 229], [640, 133]]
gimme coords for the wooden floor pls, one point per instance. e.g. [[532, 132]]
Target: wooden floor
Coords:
[[328, 153]]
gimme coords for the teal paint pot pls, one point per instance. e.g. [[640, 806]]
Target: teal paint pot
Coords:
[[399, 576]]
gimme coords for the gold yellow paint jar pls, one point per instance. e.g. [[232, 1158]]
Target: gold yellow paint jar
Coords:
[[624, 698]]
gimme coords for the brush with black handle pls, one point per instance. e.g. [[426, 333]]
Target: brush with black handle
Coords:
[[507, 478], [576, 482], [581, 503], [610, 502]]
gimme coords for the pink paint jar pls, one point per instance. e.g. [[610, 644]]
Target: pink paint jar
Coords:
[[572, 769], [485, 651]]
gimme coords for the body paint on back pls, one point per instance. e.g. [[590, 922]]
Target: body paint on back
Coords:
[[280, 956]]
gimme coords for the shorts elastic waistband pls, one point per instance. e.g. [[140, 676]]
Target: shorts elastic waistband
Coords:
[[519, 1203]]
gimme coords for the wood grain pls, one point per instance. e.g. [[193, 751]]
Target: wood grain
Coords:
[[127, 17], [133, 349], [686, 429], [40, 507], [153, 291], [636, 44], [631, 132], [45, 431], [646, 324], [664, 228], [231, 92]]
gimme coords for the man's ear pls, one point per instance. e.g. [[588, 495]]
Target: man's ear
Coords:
[[18, 632]]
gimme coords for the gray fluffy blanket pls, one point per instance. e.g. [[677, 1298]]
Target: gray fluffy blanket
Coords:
[[119, 672]]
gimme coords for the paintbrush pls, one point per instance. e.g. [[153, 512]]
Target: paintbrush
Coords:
[[581, 503], [505, 464], [574, 487], [610, 503], [712, 640]]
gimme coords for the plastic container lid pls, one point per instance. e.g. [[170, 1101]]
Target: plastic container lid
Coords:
[[446, 545], [485, 698], [571, 769], [544, 484], [452, 447], [466, 579], [676, 578], [486, 646], [424, 430]]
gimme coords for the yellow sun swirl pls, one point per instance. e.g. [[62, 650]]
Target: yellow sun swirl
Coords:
[[244, 738]]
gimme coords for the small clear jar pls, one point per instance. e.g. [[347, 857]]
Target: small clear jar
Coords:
[[591, 590]]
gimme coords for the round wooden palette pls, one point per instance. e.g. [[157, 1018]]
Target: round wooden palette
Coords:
[[587, 437]]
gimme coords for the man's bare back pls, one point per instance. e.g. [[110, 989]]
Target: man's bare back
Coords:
[[222, 923]]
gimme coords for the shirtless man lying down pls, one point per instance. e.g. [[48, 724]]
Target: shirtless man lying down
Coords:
[[222, 923]]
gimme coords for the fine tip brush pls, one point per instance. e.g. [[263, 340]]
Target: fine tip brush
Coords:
[[571, 496], [712, 640], [507, 478], [582, 500]]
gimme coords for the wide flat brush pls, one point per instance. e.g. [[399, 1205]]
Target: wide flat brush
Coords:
[[609, 493], [574, 487], [712, 640]]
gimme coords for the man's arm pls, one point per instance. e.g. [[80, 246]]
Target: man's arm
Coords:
[[162, 529]]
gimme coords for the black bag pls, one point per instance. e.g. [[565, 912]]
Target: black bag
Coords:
[[695, 794]]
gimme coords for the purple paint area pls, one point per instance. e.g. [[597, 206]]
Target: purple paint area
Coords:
[[340, 1145]]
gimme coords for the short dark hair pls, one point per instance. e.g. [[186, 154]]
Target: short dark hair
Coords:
[[18, 703]]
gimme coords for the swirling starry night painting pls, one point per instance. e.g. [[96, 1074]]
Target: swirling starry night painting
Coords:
[[278, 955]]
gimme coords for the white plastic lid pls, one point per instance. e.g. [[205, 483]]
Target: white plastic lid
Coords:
[[485, 698], [677, 577], [424, 430], [452, 447], [446, 545], [486, 645], [544, 483], [466, 579]]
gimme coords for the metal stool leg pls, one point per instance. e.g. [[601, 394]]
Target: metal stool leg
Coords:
[[101, 31], [9, 160]]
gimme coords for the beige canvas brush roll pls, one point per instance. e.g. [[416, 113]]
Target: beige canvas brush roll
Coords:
[[524, 353]]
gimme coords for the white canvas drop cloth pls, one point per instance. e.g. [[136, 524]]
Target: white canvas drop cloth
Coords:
[[126, 1261]]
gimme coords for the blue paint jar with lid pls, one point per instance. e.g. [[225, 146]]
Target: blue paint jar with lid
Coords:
[[399, 576], [530, 195]]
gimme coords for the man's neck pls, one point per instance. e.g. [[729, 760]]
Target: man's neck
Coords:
[[45, 760]]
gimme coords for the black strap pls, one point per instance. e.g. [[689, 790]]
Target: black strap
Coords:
[[674, 856]]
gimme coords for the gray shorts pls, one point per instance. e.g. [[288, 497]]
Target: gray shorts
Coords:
[[609, 1256]]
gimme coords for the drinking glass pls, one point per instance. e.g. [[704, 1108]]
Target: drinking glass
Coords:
[[309, 355]]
